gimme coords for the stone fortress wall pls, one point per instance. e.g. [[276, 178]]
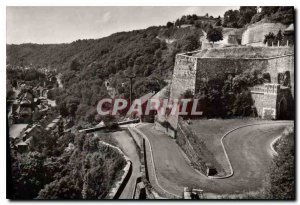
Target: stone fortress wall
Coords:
[[191, 68], [264, 99], [254, 35], [184, 75], [281, 64]]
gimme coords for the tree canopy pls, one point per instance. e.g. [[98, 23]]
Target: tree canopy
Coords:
[[215, 34]]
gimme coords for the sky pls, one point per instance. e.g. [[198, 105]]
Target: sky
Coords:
[[46, 25]]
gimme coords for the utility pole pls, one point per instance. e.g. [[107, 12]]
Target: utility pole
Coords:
[[130, 77]]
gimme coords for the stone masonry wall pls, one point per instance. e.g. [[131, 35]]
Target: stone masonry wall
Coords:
[[184, 78], [210, 67], [255, 34], [190, 70], [184, 75], [265, 100], [280, 65]]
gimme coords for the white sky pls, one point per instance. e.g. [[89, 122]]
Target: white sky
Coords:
[[66, 24]]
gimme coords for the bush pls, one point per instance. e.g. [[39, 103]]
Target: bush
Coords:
[[282, 170]]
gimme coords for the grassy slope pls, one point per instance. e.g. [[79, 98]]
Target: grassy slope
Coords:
[[211, 132]]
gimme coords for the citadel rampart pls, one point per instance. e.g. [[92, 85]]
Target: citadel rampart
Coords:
[[184, 75], [198, 66]]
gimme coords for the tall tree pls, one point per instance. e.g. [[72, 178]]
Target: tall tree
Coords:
[[269, 38], [215, 34], [231, 18], [169, 24], [246, 14], [279, 37]]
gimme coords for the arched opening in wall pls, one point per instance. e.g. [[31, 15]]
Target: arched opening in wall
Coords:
[[284, 78], [267, 77], [283, 109]]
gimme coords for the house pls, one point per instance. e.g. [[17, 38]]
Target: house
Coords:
[[24, 112]]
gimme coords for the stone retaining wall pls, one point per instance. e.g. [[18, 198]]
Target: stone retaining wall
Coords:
[[191, 70], [153, 189], [119, 186], [195, 149], [168, 131], [188, 149]]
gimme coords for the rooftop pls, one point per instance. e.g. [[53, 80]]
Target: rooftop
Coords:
[[290, 28]]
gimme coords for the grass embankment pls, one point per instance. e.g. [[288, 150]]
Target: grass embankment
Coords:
[[212, 130]]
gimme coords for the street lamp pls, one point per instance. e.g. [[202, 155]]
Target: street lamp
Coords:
[[130, 77]]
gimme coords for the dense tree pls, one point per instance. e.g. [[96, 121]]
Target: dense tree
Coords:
[[249, 14], [224, 96], [64, 188], [9, 90], [279, 38], [218, 23], [269, 39], [191, 42], [29, 176], [277, 14], [169, 24], [215, 34], [87, 169], [231, 18], [246, 14], [242, 104], [198, 24], [63, 109], [18, 74]]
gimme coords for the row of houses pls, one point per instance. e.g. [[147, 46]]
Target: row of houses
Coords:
[[29, 101], [23, 141]]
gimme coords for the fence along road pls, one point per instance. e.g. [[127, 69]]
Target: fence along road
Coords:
[[152, 169]]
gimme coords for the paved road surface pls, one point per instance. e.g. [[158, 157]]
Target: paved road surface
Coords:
[[127, 145], [248, 149]]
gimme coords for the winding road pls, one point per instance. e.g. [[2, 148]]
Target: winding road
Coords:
[[127, 145], [248, 149]]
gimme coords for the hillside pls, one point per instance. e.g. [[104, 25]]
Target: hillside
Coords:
[[85, 65], [148, 54]]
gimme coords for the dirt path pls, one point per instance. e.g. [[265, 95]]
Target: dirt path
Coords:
[[127, 145], [248, 149]]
